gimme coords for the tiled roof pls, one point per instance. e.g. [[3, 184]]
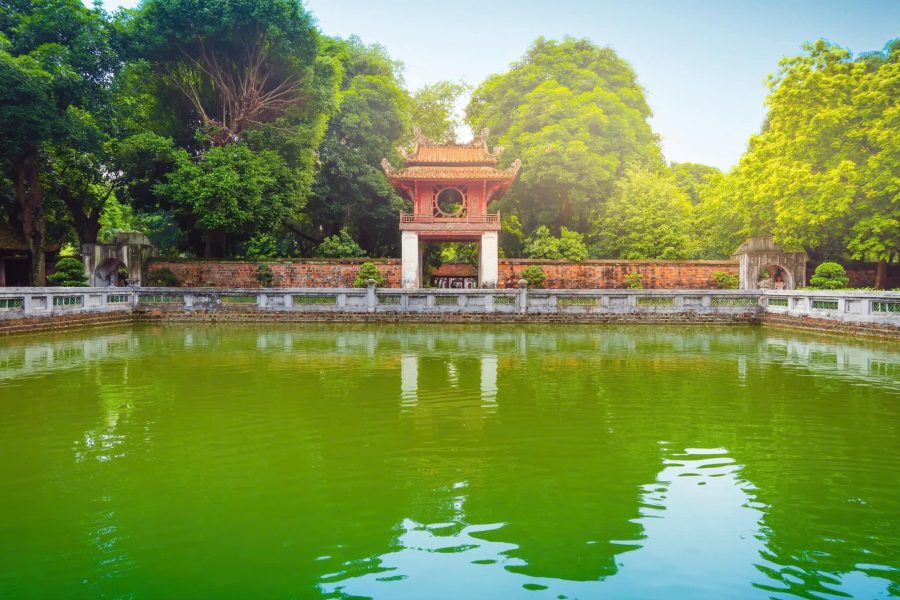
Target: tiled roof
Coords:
[[437, 173], [426, 152], [450, 155], [10, 239]]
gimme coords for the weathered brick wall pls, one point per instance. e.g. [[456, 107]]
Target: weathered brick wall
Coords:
[[298, 273], [611, 273], [560, 274]]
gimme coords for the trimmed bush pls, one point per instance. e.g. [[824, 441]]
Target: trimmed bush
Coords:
[[264, 275], [534, 275], [726, 281], [368, 271], [829, 276], [634, 281], [340, 245], [163, 277], [69, 273]]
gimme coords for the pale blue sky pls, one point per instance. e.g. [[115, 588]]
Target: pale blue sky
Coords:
[[702, 63]]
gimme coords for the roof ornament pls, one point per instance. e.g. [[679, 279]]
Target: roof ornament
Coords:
[[482, 138], [419, 137], [513, 168], [388, 167]]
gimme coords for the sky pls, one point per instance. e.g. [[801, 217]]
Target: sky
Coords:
[[703, 64]]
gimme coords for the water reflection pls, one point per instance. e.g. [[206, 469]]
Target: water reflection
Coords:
[[450, 462]]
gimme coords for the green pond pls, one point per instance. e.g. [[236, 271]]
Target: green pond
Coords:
[[417, 462]]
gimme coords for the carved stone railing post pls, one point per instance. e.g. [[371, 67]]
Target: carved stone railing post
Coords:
[[523, 296], [371, 300]]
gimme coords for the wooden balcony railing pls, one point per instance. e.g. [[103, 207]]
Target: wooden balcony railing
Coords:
[[465, 219]]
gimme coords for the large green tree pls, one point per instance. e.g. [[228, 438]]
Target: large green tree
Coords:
[[649, 217], [823, 172], [247, 73], [350, 190], [55, 64], [575, 115], [692, 178], [432, 109]]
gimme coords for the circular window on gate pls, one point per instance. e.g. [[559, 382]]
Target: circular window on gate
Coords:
[[449, 202]]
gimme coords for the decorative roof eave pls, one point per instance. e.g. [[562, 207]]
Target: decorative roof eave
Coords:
[[442, 173], [444, 152]]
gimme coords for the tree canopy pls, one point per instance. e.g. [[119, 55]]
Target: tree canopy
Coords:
[[649, 217], [575, 115]]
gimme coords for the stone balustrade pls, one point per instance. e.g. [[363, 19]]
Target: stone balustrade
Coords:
[[861, 308]]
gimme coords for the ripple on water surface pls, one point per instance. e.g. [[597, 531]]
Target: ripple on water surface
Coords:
[[447, 462]]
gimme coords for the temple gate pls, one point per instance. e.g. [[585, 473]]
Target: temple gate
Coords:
[[450, 186]]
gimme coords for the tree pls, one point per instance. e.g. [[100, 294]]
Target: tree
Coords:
[[368, 271], [350, 189], [433, 109], [568, 246], [829, 276], [340, 245], [722, 219], [822, 174], [55, 59], [648, 218], [692, 178], [69, 273], [232, 189], [575, 115], [246, 73]]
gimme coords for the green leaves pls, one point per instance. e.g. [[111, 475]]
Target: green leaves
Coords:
[[69, 273], [340, 245], [233, 189], [576, 117], [568, 246], [823, 172], [649, 217]]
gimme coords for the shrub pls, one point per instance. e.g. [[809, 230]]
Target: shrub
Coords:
[[163, 277], [726, 281], [69, 273], [534, 275], [829, 276], [368, 271], [634, 281], [568, 246], [340, 245], [264, 275]]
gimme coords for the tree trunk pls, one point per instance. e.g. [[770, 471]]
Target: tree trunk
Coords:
[[30, 194], [86, 226], [215, 244], [881, 275]]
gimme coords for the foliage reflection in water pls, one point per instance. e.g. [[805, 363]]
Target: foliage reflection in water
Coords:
[[446, 462]]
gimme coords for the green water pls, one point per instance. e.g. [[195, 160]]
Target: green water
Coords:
[[292, 461]]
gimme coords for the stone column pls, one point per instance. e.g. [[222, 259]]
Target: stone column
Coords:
[[488, 260], [409, 252]]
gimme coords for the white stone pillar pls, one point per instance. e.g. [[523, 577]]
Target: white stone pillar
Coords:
[[488, 260], [409, 252]]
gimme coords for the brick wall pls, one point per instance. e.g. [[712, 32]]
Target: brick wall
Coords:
[[291, 273], [664, 274], [560, 274]]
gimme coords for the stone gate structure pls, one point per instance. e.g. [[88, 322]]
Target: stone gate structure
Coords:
[[764, 264], [127, 251], [450, 186]]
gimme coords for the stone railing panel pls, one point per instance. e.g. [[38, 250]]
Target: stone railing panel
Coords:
[[880, 309]]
